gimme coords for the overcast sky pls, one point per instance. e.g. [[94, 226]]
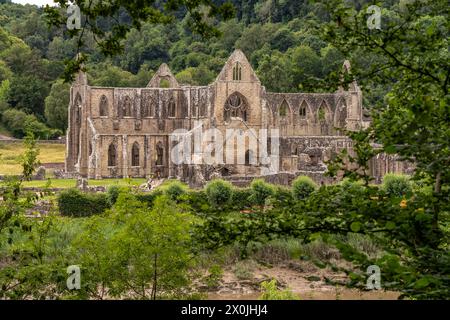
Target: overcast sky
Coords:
[[36, 2]]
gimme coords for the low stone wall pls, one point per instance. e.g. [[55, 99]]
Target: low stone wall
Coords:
[[53, 165]]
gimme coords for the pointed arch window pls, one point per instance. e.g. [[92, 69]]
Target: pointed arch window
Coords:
[[147, 107], [284, 107], [78, 104], [126, 107], [341, 115], [103, 106], [112, 155], [203, 108], [237, 72], [322, 113], [303, 110], [249, 158], [159, 154], [172, 108], [135, 155]]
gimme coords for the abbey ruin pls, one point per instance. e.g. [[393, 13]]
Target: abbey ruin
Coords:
[[125, 132]]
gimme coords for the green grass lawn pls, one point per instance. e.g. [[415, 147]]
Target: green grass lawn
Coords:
[[70, 183], [10, 156]]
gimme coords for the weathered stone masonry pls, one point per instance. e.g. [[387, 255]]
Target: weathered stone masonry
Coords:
[[124, 132]]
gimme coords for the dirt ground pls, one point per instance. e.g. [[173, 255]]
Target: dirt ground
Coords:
[[303, 278]]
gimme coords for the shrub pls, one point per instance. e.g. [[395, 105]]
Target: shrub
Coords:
[[278, 251], [270, 292], [241, 198], [302, 187], [112, 194], [261, 190], [396, 185], [219, 192], [73, 202], [355, 188], [243, 270], [283, 195], [214, 277], [174, 190], [149, 197], [197, 200]]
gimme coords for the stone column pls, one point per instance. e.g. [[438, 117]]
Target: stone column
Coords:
[[125, 156]]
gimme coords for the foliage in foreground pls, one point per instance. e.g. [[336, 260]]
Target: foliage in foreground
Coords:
[[271, 292], [302, 187], [74, 203], [129, 251]]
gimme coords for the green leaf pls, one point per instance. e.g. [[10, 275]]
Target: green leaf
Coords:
[[355, 226], [422, 283], [390, 149], [390, 225]]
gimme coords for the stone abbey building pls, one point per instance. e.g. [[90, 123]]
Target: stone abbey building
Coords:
[[125, 132]]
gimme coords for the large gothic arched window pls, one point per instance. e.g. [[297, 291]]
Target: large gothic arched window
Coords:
[[302, 111], [112, 155], [236, 107], [341, 115], [284, 109], [159, 154], [249, 158], [135, 155], [322, 113]]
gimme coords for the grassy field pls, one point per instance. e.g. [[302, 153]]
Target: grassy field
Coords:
[[10, 164], [71, 183], [10, 156]]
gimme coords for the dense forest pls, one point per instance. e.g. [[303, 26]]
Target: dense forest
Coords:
[[279, 37]]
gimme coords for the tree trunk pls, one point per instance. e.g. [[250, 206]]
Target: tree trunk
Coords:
[[437, 184], [155, 276]]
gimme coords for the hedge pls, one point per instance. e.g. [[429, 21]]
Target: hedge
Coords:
[[74, 203]]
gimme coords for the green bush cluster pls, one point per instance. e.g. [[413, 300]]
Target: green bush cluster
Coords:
[[112, 193], [261, 191], [149, 197], [19, 123], [241, 198], [74, 203], [302, 187], [174, 190], [397, 185], [219, 193]]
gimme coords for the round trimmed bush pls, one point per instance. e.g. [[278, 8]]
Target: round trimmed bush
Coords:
[[175, 190], [302, 187], [396, 185], [219, 192], [261, 190]]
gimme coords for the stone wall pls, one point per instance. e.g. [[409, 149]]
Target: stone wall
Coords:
[[125, 132]]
